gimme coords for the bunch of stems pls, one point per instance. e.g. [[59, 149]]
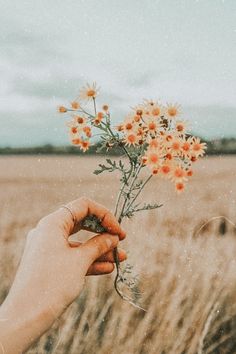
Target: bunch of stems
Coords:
[[129, 191]]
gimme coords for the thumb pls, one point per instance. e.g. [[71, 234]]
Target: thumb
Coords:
[[97, 246]]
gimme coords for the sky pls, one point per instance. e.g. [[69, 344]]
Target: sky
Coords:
[[173, 50]]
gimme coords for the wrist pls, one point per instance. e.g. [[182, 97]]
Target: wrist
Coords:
[[23, 320]]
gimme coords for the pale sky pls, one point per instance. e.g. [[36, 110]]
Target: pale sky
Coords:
[[174, 50]]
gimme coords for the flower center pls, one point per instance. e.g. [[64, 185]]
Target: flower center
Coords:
[[91, 93]]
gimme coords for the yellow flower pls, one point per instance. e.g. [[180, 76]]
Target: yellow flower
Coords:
[[89, 92]]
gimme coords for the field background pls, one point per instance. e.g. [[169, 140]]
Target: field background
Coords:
[[187, 277]]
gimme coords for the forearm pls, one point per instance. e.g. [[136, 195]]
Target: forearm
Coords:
[[21, 323]]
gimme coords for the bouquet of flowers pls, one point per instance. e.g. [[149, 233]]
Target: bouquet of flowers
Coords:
[[152, 139]]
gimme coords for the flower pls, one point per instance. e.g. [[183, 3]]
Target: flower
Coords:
[[62, 109], [105, 107], [89, 92], [76, 141], [131, 139], [75, 105], [74, 130], [165, 169], [84, 145], [172, 110], [155, 109], [81, 121], [179, 187], [129, 124], [178, 174], [98, 118], [175, 146], [139, 110], [186, 147], [158, 140], [153, 143], [198, 148], [87, 131], [181, 126], [153, 159]]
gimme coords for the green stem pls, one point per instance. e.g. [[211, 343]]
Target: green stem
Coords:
[[122, 189], [129, 191], [94, 105], [140, 190]]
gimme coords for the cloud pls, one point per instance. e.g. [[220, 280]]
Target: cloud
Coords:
[[154, 50]]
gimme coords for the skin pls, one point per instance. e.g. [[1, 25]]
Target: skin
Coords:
[[52, 272]]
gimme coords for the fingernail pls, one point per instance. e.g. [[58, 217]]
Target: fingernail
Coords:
[[123, 234]]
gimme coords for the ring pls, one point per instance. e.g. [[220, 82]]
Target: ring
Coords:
[[70, 211]]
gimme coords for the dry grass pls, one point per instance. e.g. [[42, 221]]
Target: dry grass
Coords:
[[187, 278]]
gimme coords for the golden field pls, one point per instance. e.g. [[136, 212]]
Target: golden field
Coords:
[[187, 275]]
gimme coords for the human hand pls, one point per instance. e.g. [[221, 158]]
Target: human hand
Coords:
[[53, 269]]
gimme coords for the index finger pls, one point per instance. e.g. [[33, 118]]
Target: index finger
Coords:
[[83, 207]]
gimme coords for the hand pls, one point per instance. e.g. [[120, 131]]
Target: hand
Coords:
[[53, 269]]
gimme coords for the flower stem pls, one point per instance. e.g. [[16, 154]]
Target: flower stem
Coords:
[[94, 105], [139, 191]]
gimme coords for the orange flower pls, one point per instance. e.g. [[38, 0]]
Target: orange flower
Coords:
[[153, 158], [139, 110], [189, 173], [172, 110], [98, 118], [165, 169], [105, 107], [137, 118], [154, 143], [84, 145], [131, 139], [76, 141], [169, 156], [198, 148], [181, 126], [89, 92], [80, 120], [87, 131], [186, 148], [155, 170], [73, 130], [179, 187], [144, 160], [62, 109], [129, 125], [75, 105], [175, 146], [178, 174], [120, 127]]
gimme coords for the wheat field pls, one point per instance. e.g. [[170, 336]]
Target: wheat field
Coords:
[[186, 272]]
